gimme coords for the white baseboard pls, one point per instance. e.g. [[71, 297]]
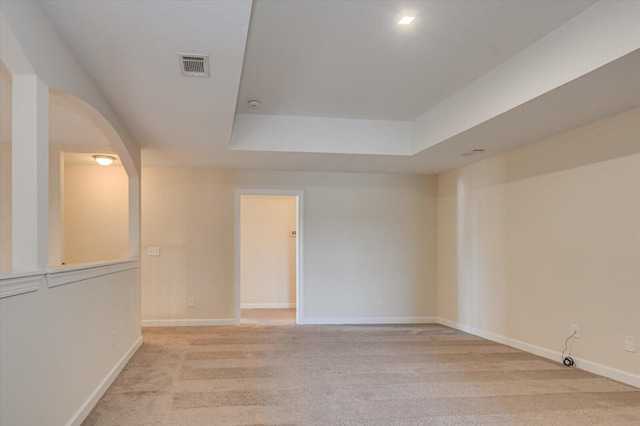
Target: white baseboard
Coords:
[[369, 320], [267, 305], [188, 322], [592, 367], [95, 396]]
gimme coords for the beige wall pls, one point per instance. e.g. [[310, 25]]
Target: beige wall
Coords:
[[47, 375], [56, 195], [365, 236], [5, 169], [545, 236], [5, 207], [96, 213], [268, 252]]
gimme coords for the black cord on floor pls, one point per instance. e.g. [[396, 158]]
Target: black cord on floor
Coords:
[[568, 361]]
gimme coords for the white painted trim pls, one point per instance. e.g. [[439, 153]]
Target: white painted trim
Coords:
[[99, 391], [187, 322], [24, 282], [286, 133], [299, 194], [583, 364], [606, 371], [20, 283], [370, 320], [70, 274], [267, 305]]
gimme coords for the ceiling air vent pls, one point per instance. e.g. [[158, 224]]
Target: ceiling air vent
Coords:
[[194, 65]]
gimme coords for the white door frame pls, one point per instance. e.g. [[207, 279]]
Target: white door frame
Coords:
[[299, 194]]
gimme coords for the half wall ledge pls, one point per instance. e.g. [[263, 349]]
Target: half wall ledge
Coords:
[[71, 274]]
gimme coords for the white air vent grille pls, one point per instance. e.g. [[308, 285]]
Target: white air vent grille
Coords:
[[193, 65]]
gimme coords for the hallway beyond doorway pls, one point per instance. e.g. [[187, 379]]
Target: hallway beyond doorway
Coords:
[[251, 271]]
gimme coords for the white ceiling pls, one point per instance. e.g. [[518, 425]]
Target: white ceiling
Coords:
[[130, 47], [350, 58], [347, 60]]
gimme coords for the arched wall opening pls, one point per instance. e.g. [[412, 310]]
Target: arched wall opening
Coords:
[[65, 124], [88, 203], [98, 206], [89, 215]]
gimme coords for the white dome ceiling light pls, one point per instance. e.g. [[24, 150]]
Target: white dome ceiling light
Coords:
[[104, 160]]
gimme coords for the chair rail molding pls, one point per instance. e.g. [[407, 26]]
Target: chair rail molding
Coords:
[[16, 283], [71, 274]]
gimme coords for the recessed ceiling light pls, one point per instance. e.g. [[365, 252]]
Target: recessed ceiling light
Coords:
[[253, 103], [406, 20]]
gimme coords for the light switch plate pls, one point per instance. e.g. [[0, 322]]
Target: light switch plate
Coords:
[[630, 343], [153, 251]]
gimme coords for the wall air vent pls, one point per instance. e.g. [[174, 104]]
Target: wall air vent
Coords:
[[194, 65]]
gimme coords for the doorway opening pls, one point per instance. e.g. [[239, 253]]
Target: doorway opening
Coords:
[[268, 273]]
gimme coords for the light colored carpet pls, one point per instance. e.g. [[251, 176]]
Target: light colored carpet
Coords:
[[351, 375]]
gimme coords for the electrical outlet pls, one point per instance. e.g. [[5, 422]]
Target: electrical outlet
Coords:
[[575, 331], [190, 302], [153, 251], [380, 301], [630, 343]]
